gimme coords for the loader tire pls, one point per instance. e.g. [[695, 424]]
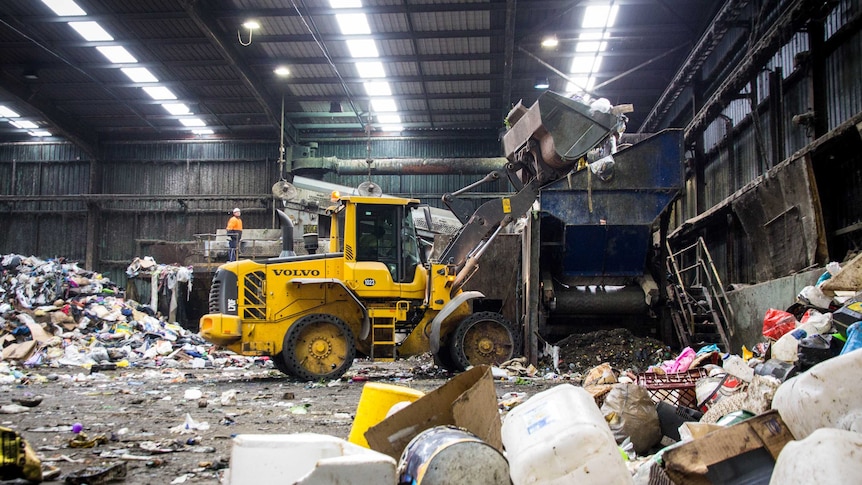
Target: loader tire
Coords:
[[318, 347], [278, 362], [443, 357], [483, 338]]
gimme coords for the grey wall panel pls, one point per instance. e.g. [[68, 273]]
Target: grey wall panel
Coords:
[[46, 235], [192, 177], [191, 151], [35, 152]]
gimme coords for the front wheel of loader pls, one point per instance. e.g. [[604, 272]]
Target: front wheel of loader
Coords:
[[318, 347], [483, 338]]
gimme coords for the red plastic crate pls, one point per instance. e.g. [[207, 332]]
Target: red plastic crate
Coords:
[[677, 389]]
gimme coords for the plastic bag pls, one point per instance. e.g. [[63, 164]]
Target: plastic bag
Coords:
[[631, 413], [681, 363], [814, 297], [777, 322], [813, 350]]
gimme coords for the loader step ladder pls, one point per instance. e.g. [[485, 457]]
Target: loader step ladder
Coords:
[[383, 344], [700, 310]]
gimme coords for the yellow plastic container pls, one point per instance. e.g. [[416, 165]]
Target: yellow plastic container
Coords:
[[375, 402]]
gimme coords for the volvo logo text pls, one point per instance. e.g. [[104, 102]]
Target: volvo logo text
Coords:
[[296, 272]]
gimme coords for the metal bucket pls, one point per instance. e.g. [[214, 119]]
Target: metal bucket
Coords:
[[447, 454]]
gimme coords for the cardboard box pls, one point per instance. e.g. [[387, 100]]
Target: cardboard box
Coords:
[[468, 400], [742, 453]]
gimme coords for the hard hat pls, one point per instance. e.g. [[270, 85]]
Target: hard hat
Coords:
[[236, 209]]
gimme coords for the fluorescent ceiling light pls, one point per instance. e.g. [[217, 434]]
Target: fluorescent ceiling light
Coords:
[[542, 83], [40, 133], [117, 54], [345, 3], [599, 17], [353, 23], [64, 8], [281, 71], [91, 31], [139, 74], [176, 108], [391, 128], [24, 125], [377, 88], [389, 119], [582, 64], [203, 131], [549, 42], [362, 48], [192, 122], [369, 70], [8, 113], [159, 92], [382, 105]]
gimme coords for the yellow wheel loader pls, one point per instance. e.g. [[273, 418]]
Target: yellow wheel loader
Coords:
[[373, 292]]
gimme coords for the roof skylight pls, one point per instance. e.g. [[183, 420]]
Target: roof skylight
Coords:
[[353, 23], [380, 90], [588, 59], [91, 31], [159, 92], [362, 48], [600, 16], [139, 74], [192, 122], [377, 88], [117, 54], [8, 113], [176, 108], [24, 125], [64, 8], [370, 70]]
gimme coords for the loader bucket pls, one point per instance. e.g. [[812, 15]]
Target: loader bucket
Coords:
[[565, 129]]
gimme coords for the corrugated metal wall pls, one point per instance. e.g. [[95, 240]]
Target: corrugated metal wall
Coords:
[[152, 192], [730, 166]]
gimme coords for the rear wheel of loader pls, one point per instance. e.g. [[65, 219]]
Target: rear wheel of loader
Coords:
[[318, 347], [483, 338]]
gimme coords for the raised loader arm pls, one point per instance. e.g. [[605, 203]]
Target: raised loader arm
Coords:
[[543, 144]]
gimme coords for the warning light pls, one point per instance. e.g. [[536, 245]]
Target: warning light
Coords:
[[334, 196]]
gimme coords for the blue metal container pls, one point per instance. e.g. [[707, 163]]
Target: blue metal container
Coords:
[[594, 228]]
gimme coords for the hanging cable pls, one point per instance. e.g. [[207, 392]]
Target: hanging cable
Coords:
[[314, 35]]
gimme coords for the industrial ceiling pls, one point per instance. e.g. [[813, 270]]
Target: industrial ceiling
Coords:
[[105, 71]]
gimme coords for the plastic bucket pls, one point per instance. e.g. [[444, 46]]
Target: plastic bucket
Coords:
[[446, 455], [375, 402]]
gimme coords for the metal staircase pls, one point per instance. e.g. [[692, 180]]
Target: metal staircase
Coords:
[[700, 310]]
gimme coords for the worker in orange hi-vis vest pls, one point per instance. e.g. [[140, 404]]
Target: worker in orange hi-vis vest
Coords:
[[234, 233]]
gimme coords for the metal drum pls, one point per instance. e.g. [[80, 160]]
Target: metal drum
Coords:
[[450, 455]]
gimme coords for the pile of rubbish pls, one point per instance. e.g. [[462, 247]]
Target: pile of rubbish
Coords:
[[52, 312], [786, 412]]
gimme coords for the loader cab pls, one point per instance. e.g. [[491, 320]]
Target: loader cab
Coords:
[[380, 245]]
